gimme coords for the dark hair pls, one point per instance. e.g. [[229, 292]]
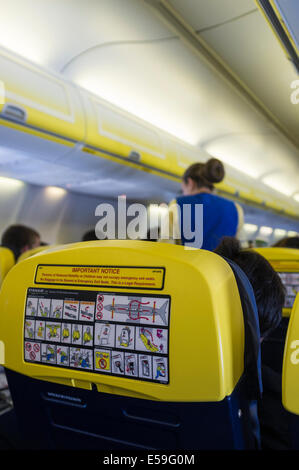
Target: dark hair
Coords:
[[16, 237], [90, 235], [287, 242], [205, 174], [267, 286]]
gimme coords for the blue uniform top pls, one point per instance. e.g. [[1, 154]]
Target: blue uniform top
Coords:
[[220, 218]]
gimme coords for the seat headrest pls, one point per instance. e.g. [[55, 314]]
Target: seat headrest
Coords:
[[137, 318], [7, 260], [290, 368]]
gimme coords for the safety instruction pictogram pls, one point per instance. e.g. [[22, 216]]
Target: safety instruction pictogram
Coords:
[[111, 333]]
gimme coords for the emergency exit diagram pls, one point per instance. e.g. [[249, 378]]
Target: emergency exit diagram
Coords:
[[117, 334]]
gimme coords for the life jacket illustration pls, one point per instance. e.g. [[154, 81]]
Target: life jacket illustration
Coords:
[[40, 331], [125, 337], [87, 337], [53, 331], [76, 334], [65, 333]]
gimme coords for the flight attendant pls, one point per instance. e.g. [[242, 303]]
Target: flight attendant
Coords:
[[200, 211]]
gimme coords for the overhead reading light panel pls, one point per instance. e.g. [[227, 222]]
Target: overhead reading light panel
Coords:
[[283, 16]]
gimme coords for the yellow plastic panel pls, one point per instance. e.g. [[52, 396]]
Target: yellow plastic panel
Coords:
[[274, 205], [250, 196], [290, 370], [187, 156], [285, 261], [121, 134], [7, 260], [171, 152], [49, 103], [32, 252], [181, 307]]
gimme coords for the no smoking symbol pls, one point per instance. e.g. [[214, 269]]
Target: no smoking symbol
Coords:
[[103, 363], [32, 355]]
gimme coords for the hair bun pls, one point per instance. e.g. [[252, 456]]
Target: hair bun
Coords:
[[213, 170]]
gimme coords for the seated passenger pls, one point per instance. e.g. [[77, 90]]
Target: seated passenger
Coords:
[[220, 217], [19, 238], [89, 236], [149, 237], [269, 294], [287, 242]]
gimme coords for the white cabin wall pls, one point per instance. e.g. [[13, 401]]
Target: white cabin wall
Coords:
[[59, 218]]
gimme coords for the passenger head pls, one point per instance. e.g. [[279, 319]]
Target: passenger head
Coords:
[[287, 242], [267, 286], [20, 238], [90, 235], [202, 176], [150, 238]]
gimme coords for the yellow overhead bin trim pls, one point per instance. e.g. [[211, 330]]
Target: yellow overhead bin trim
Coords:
[[120, 133], [292, 213], [274, 205], [198, 313], [36, 132], [127, 162], [48, 102], [251, 197]]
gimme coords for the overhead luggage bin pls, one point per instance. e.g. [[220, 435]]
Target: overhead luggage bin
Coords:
[[7, 260], [39, 103], [126, 344], [122, 135]]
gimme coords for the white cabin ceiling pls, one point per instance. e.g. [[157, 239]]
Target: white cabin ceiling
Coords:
[[123, 51]]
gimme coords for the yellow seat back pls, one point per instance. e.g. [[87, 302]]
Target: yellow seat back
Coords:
[[285, 261], [7, 260], [33, 252], [290, 377], [140, 319]]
